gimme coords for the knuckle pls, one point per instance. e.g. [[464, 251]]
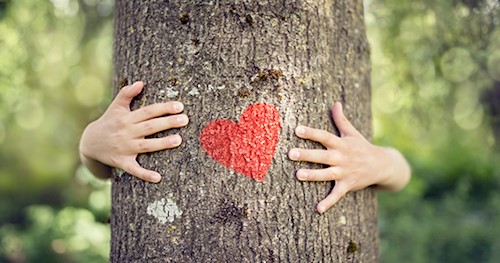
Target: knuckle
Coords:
[[340, 144], [330, 140], [170, 106], [339, 159], [327, 141], [170, 121], [120, 122], [324, 134], [131, 169], [148, 127], [319, 135], [331, 158], [337, 171], [120, 136], [142, 147], [169, 142], [116, 148], [149, 111], [332, 174], [134, 169]]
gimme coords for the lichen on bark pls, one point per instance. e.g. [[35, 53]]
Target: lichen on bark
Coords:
[[299, 56]]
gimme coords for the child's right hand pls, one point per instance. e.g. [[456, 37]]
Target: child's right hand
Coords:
[[118, 136]]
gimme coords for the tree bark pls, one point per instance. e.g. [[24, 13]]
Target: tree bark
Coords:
[[219, 58]]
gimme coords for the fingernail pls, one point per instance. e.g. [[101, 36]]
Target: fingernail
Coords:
[[300, 130], [156, 178], [135, 84], [294, 154], [182, 118], [176, 140], [301, 174], [178, 106], [321, 209]]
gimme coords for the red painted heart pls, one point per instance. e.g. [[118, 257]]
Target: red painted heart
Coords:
[[247, 147]]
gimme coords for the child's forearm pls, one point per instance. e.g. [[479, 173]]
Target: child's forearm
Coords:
[[398, 171], [97, 168]]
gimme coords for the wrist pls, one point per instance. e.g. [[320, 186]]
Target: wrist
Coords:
[[397, 171], [385, 167], [96, 167]]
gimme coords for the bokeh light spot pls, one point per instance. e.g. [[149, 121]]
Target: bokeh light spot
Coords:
[[467, 113], [65, 7], [100, 200], [494, 65], [393, 98], [494, 41], [423, 72], [89, 91], [468, 118], [457, 65], [29, 114]]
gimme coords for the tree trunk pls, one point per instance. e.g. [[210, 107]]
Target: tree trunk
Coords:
[[219, 58]]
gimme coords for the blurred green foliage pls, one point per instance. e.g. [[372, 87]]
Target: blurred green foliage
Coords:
[[436, 97], [55, 74]]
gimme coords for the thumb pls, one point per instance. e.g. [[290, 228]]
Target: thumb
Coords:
[[136, 170], [338, 191], [343, 124], [127, 94]]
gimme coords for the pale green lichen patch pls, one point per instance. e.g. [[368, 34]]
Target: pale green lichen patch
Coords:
[[194, 92], [343, 220], [164, 210], [171, 93], [213, 88]]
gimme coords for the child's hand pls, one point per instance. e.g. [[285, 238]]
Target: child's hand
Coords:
[[354, 162], [118, 136]]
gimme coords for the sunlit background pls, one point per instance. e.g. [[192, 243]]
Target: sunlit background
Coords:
[[436, 97]]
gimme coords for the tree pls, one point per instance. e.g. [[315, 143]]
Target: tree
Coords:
[[223, 59]]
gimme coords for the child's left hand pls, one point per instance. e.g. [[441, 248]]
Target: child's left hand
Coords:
[[354, 163]]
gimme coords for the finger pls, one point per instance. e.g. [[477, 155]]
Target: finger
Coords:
[[337, 193], [343, 124], [328, 140], [156, 110], [127, 93], [136, 170], [327, 174], [328, 157], [160, 124], [157, 144]]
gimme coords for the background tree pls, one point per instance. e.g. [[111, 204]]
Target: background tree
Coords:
[[219, 58]]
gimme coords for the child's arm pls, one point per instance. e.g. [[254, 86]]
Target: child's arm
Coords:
[[118, 136], [354, 162]]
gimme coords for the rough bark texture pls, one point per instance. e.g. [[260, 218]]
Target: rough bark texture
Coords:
[[218, 58]]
